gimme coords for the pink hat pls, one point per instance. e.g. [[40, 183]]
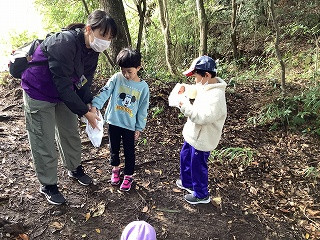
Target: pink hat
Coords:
[[138, 230]]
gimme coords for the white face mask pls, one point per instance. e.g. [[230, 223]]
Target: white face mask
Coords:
[[200, 83], [99, 45]]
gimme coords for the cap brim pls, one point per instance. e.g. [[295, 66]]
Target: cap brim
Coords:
[[188, 72]]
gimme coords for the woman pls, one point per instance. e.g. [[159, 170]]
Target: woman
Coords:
[[54, 94]]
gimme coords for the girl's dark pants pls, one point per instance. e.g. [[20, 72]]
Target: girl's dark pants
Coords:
[[115, 135]]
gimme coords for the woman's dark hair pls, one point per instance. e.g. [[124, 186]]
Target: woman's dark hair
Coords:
[[202, 73], [97, 19], [100, 19], [128, 58]]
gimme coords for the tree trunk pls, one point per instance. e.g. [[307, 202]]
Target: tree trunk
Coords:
[[141, 7], [283, 69], [116, 10], [234, 30], [164, 20], [203, 26]]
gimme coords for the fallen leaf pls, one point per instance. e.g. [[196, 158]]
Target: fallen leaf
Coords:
[[176, 190], [23, 236], [158, 171], [99, 210], [88, 215], [217, 200], [307, 235], [57, 225], [253, 190], [98, 230], [147, 171], [313, 212], [84, 235], [145, 209], [145, 184]]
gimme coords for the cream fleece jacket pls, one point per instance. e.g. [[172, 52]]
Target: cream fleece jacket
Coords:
[[206, 116]]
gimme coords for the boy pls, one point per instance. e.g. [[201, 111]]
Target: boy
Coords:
[[203, 129], [126, 113]]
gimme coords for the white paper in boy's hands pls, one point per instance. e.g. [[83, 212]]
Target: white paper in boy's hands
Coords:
[[95, 135], [175, 98]]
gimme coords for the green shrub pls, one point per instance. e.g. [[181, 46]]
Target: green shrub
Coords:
[[297, 112], [238, 155]]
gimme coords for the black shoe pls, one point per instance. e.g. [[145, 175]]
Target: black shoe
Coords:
[[80, 175], [52, 194]]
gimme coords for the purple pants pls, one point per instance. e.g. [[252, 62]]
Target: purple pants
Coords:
[[194, 170]]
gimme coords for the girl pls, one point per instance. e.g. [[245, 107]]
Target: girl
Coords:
[[126, 113]]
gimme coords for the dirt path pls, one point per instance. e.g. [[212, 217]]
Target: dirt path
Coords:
[[269, 199]]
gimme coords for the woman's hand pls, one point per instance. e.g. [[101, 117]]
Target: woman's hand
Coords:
[[93, 118]]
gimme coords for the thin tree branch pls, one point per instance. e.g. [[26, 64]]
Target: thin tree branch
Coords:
[[86, 6]]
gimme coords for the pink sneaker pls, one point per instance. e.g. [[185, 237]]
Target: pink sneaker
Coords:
[[126, 184], [115, 177]]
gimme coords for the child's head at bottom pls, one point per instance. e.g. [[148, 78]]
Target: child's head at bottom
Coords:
[[138, 230]]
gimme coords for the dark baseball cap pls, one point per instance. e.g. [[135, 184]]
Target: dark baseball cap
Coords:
[[204, 63]]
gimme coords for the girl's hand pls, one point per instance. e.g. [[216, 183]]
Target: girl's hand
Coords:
[[93, 110], [92, 119], [136, 135]]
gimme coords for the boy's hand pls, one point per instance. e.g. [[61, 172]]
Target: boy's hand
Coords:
[[182, 90], [136, 135]]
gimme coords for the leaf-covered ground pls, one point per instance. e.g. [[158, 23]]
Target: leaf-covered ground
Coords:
[[271, 198]]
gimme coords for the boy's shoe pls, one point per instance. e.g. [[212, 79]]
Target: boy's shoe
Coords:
[[190, 198], [126, 184], [179, 184], [81, 176], [51, 192], [115, 177]]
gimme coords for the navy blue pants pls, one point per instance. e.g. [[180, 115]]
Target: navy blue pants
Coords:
[[194, 170], [116, 134]]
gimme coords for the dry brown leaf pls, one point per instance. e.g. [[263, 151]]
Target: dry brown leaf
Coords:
[[88, 215], [98, 210], [313, 213], [284, 210], [158, 171], [57, 225], [23, 236], [145, 209], [145, 184], [216, 200], [176, 190], [253, 190]]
